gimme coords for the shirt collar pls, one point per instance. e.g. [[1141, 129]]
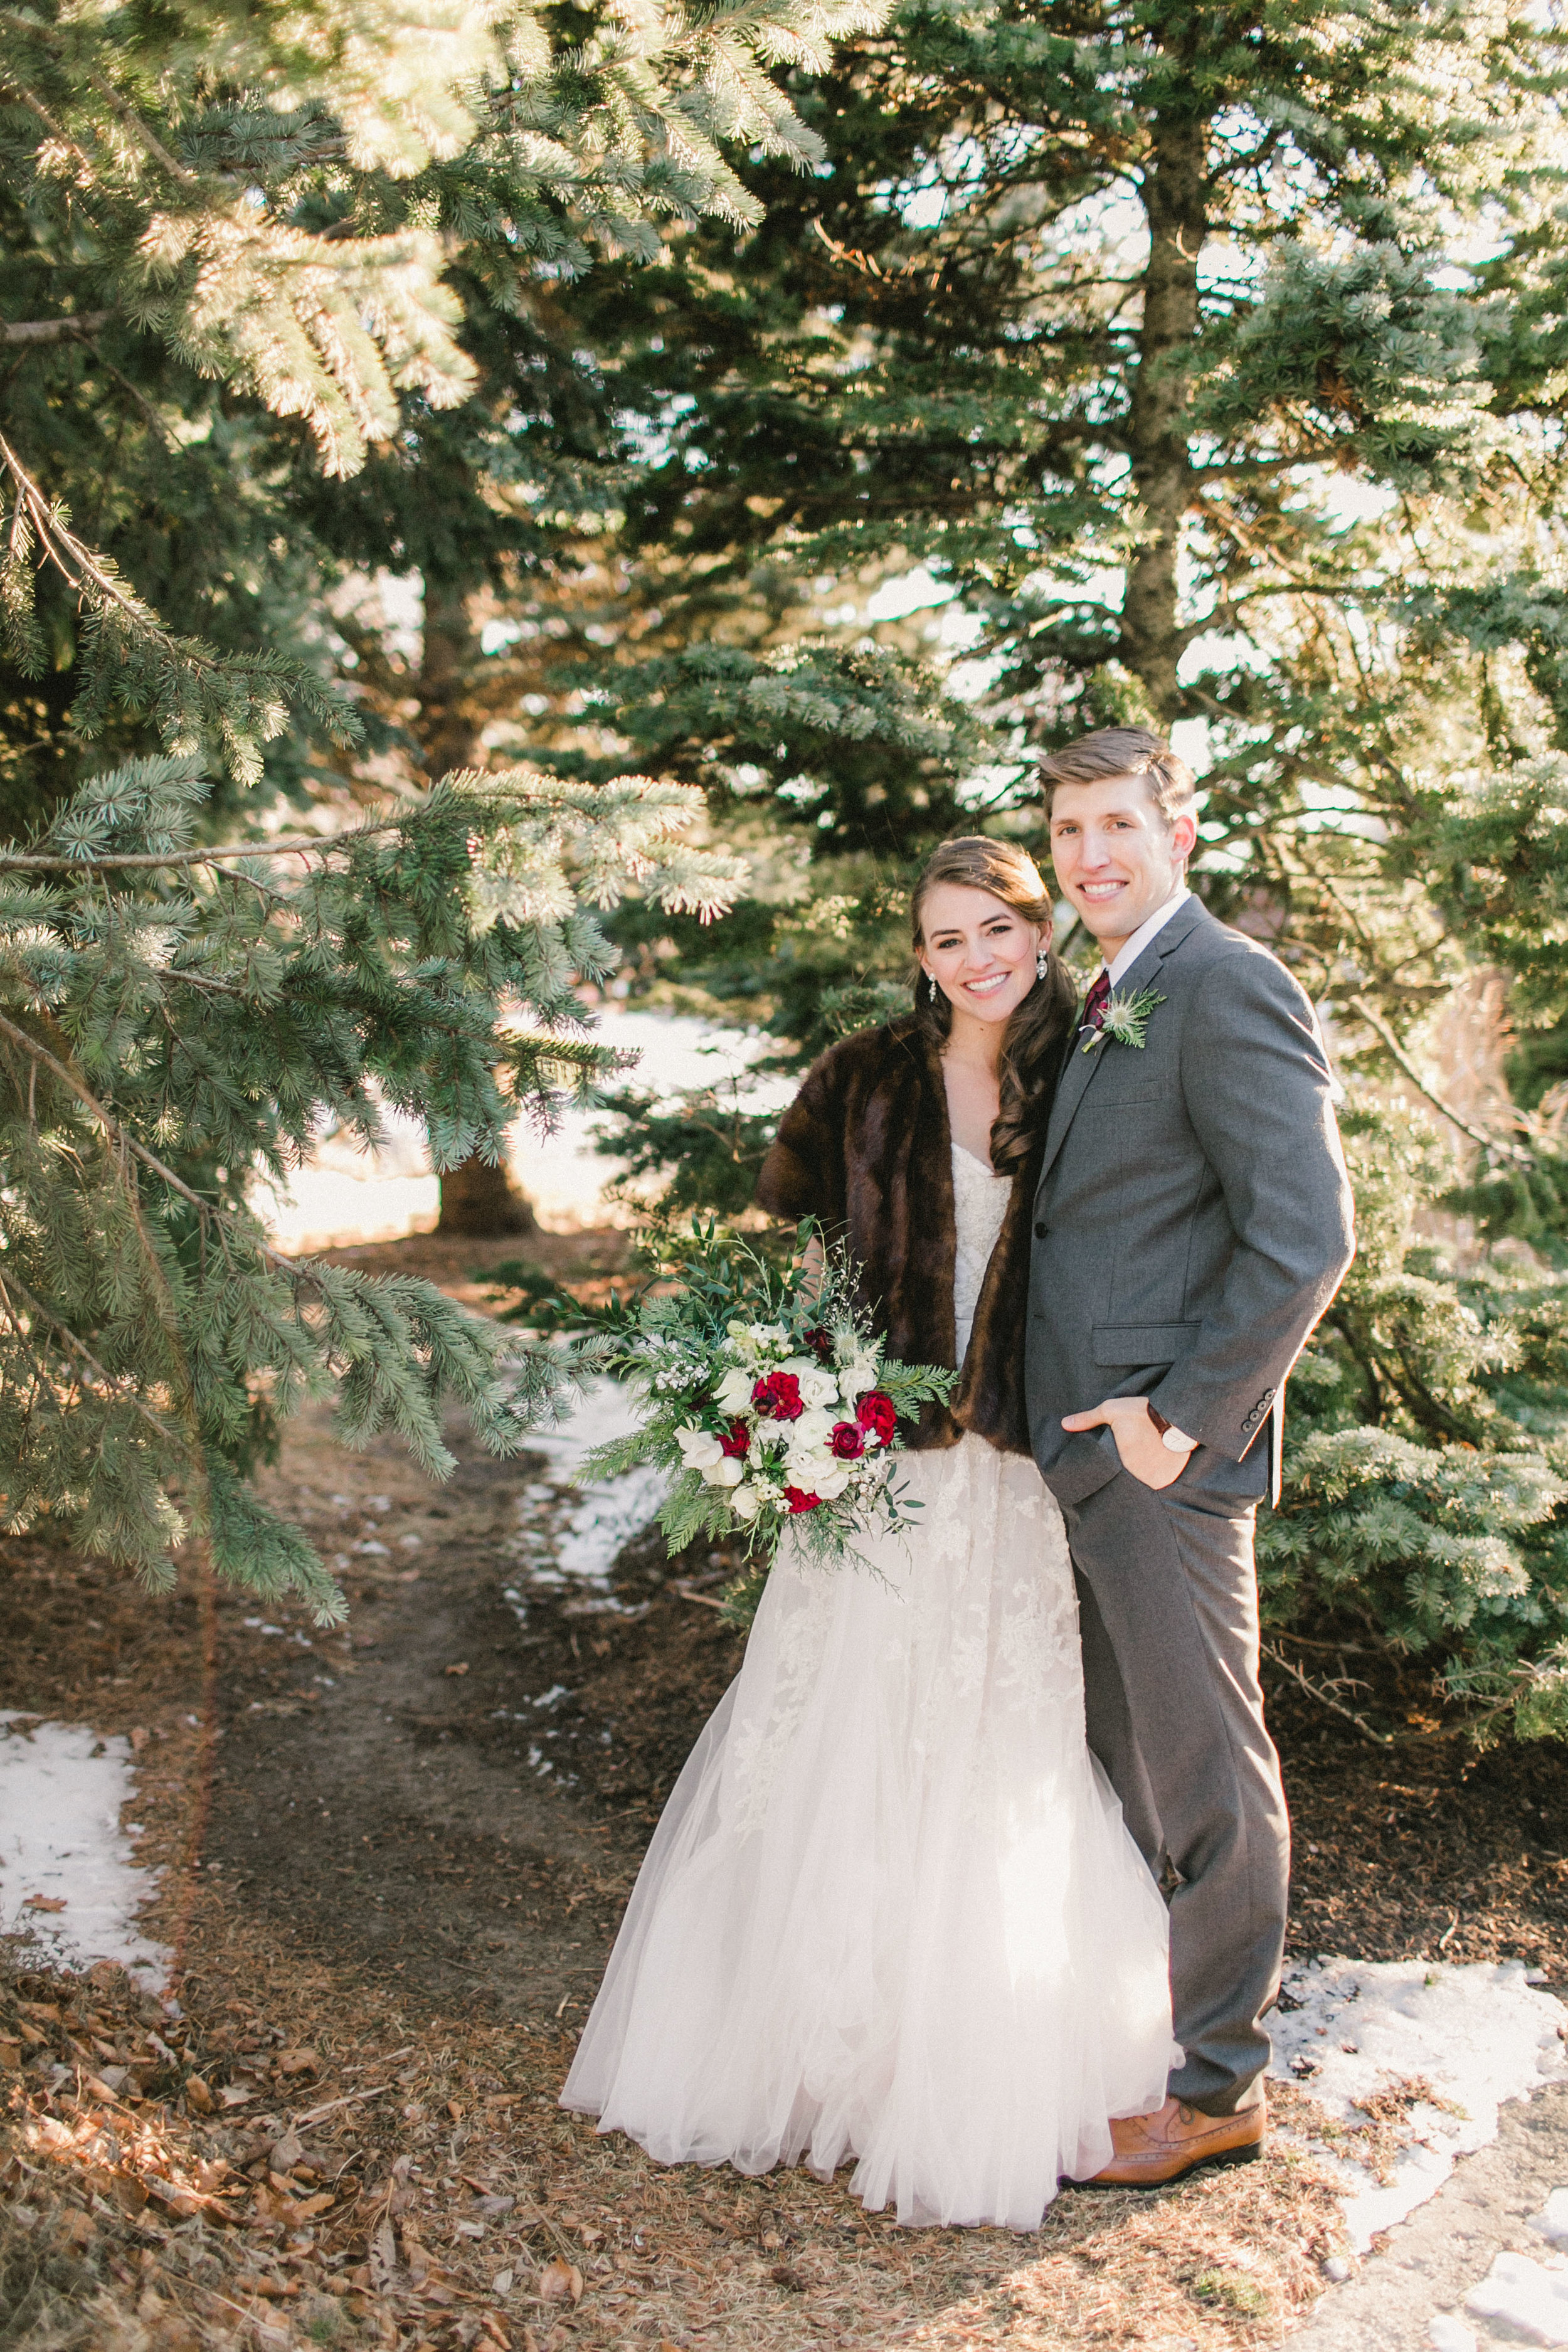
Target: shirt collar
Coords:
[[1150, 929]]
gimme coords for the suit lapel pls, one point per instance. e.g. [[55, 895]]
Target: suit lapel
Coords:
[[1078, 1075], [1071, 1088]]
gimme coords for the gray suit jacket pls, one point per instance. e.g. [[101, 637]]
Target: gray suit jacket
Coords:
[[1193, 1218]]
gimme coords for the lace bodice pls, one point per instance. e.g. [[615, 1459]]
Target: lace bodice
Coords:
[[979, 1206]]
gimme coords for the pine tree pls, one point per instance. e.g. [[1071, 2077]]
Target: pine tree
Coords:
[[237, 253]]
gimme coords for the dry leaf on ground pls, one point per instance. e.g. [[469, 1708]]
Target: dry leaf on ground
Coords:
[[558, 2280]]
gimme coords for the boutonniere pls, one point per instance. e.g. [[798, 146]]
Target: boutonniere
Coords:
[[1126, 1021]]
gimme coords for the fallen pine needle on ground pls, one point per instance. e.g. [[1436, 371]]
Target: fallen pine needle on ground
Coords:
[[204, 2179]]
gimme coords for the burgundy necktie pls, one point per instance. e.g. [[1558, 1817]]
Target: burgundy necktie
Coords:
[[1094, 1003]]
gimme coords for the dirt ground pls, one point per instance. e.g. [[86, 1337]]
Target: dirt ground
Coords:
[[394, 1857]]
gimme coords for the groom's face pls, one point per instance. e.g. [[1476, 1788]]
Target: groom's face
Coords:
[[1116, 857]]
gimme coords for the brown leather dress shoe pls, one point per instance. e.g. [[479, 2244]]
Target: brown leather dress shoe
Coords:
[[1177, 2138]]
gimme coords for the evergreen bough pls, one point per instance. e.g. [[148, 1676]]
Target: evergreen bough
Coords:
[[178, 1018]]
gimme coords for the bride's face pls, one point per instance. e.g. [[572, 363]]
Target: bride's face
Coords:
[[980, 950]]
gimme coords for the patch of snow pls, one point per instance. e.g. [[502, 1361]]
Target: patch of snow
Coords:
[[62, 1790], [1477, 2033], [582, 1545], [1525, 2294], [1551, 2221], [1448, 2334]]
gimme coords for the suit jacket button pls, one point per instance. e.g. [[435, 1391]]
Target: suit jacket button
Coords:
[[1040, 1231]]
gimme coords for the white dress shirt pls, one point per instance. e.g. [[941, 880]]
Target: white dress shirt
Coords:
[[1126, 957]]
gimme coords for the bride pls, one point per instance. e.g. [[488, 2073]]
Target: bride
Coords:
[[891, 1911]]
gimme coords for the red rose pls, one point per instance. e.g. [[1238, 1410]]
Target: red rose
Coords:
[[799, 1500], [845, 1441], [877, 1415], [739, 1442], [778, 1397]]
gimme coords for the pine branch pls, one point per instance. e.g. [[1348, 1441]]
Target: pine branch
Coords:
[[1375, 1022], [88, 575], [124, 1141], [33, 29], [1326, 1699], [240, 697], [108, 861], [132, 122], [34, 105], [54, 331], [10, 1281]]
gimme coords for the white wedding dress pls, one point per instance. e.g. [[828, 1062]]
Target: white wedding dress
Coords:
[[891, 1910]]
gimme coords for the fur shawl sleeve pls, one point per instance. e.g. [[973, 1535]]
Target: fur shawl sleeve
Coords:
[[865, 1148]]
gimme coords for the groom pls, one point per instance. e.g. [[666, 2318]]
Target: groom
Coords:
[[1193, 1222]]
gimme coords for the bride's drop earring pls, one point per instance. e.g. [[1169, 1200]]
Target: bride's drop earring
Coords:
[[1042, 963], [931, 984]]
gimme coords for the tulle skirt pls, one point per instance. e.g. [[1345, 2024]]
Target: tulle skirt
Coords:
[[891, 1910]]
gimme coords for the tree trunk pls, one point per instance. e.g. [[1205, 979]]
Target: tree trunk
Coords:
[[1152, 641], [448, 724], [477, 1199]]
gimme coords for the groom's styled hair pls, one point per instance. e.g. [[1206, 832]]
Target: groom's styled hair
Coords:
[[1123, 751]]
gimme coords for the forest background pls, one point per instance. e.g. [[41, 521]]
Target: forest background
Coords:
[[502, 500]]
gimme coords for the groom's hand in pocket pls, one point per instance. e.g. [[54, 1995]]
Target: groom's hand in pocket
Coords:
[[1144, 1453]]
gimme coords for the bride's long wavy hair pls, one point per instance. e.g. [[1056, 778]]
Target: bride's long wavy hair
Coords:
[[1033, 1040]]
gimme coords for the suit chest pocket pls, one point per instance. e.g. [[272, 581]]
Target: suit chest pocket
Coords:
[[1128, 1080], [1144, 1098]]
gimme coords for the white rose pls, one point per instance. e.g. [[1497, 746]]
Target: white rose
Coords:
[[808, 1432], [856, 1377], [745, 1502], [700, 1449], [830, 1483], [818, 1388], [807, 1466], [734, 1390], [725, 1472]]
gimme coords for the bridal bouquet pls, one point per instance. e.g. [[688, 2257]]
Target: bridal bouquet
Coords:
[[774, 1407]]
